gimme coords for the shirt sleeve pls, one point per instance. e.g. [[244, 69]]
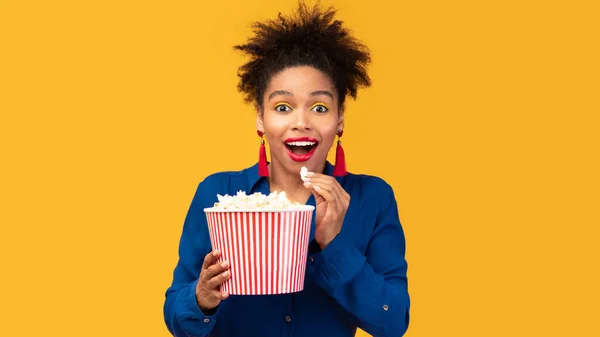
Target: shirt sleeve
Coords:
[[373, 287], [182, 315]]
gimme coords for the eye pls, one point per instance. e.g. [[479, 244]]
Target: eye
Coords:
[[320, 108], [283, 108]]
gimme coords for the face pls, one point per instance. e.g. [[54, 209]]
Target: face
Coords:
[[300, 118]]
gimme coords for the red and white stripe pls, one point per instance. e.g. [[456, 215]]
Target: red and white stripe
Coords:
[[267, 251]]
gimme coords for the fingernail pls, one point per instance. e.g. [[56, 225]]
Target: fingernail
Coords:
[[310, 174], [224, 264], [226, 274], [317, 188], [224, 295], [215, 252]]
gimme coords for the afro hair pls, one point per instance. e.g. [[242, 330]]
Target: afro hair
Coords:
[[309, 37]]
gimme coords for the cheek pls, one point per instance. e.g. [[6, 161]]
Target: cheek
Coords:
[[331, 130], [274, 127], [328, 133]]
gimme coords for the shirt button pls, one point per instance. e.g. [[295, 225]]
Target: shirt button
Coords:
[[206, 320], [288, 319], [385, 307], [310, 258]]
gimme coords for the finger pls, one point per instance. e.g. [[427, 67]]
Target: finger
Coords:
[[312, 190], [337, 189], [216, 269], [210, 259], [311, 186], [320, 191], [324, 192], [342, 193], [216, 281], [325, 180], [314, 174], [340, 200], [346, 198], [333, 186], [216, 293], [330, 184], [322, 182]]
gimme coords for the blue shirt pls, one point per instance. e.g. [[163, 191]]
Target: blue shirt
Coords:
[[358, 280]]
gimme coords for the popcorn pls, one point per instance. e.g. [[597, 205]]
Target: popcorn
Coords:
[[274, 201], [242, 201], [303, 173]]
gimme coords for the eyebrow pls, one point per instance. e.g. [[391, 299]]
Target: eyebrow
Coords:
[[322, 92], [314, 93], [280, 92]]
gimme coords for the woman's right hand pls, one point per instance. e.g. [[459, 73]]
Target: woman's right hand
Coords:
[[212, 276]]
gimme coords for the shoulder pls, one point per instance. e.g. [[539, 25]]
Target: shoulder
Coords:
[[223, 182], [375, 197], [233, 176], [367, 185]]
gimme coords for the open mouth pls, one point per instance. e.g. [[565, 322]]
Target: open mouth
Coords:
[[301, 147]]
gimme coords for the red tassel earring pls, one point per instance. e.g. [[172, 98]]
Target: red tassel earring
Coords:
[[263, 165], [339, 169]]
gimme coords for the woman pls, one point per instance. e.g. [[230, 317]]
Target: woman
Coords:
[[300, 72]]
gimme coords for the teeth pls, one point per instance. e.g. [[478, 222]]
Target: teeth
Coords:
[[301, 143]]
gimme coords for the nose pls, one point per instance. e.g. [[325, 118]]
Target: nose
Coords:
[[301, 120]]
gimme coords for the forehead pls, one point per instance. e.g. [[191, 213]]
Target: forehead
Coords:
[[300, 80]]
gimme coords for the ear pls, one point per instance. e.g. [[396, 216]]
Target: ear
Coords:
[[260, 125], [340, 125]]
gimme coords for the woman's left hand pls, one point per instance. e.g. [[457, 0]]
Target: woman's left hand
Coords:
[[332, 203]]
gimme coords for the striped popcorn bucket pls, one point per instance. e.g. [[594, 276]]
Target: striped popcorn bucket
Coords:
[[266, 250]]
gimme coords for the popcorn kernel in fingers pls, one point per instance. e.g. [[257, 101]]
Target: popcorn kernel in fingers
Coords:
[[303, 173]]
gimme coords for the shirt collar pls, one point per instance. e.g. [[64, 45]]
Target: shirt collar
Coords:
[[254, 179]]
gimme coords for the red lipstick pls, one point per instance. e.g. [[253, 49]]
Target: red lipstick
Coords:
[[301, 157]]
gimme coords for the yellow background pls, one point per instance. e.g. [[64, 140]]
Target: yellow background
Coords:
[[483, 115]]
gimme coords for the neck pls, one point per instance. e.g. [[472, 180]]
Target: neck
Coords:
[[282, 180]]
